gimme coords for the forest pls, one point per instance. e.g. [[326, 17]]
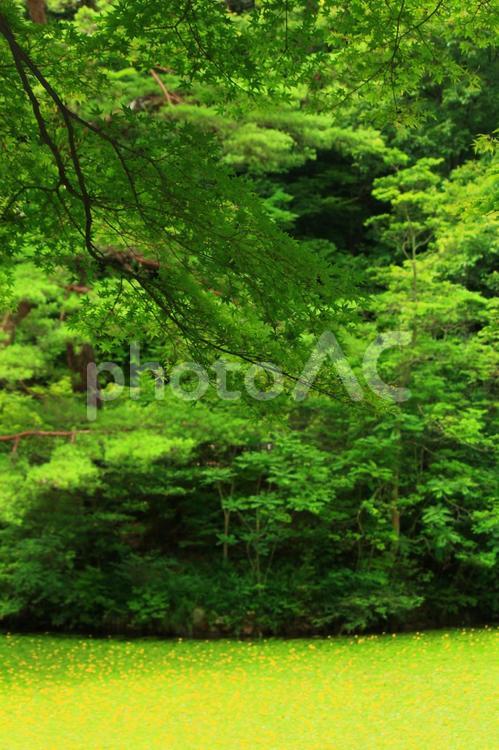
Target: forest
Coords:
[[248, 324]]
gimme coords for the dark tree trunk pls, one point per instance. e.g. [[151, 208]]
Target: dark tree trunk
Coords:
[[78, 362]]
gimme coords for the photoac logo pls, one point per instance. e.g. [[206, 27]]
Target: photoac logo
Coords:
[[326, 353]]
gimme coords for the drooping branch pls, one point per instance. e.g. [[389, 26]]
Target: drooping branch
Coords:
[[21, 62], [130, 263]]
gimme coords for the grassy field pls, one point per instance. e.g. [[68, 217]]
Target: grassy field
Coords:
[[433, 691]]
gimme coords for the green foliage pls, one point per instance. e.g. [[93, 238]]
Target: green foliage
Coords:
[[220, 207]]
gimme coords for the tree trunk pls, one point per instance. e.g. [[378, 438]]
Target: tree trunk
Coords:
[[395, 512], [226, 534], [10, 322], [78, 363], [37, 11]]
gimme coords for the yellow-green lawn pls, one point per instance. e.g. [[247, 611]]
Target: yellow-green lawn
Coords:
[[431, 691]]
